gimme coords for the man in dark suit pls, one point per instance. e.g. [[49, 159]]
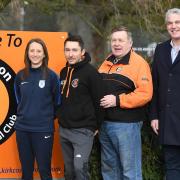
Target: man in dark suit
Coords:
[[165, 106]]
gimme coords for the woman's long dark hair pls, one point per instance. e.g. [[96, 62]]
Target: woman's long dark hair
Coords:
[[27, 61]]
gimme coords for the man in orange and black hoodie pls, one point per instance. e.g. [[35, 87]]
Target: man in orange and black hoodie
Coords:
[[128, 88], [80, 113]]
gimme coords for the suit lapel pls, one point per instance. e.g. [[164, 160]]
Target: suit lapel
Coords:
[[167, 52]]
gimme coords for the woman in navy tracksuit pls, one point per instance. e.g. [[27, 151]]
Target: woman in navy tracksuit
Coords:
[[37, 92]]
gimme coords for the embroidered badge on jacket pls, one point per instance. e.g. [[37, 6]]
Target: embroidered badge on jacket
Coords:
[[144, 78], [75, 83], [41, 83]]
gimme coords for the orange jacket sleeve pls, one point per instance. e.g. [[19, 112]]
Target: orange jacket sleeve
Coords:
[[143, 91]]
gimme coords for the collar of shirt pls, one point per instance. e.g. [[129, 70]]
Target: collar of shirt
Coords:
[[174, 51], [124, 60]]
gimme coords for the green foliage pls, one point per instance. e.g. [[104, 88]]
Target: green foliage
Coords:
[[3, 4], [95, 161], [145, 15], [101, 15], [151, 155]]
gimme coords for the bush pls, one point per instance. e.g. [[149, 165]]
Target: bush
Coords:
[[151, 155], [95, 161]]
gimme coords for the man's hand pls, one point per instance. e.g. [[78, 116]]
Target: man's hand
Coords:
[[155, 125], [108, 101]]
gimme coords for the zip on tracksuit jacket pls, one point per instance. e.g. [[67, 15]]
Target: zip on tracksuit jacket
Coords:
[[129, 79], [37, 100], [81, 90]]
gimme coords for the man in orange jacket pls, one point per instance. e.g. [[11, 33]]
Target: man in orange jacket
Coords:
[[128, 88]]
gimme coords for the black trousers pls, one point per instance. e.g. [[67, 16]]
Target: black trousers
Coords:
[[35, 146], [172, 162]]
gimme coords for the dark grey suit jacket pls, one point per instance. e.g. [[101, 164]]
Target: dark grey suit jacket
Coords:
[[165, 104]]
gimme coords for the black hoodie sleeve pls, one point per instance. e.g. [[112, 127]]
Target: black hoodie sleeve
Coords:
[[96, 90]]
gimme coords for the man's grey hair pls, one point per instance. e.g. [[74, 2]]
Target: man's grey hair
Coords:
[[123, 28], [171, 11]]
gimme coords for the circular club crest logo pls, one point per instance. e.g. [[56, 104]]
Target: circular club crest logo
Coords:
[[75, 83], [8, 101]]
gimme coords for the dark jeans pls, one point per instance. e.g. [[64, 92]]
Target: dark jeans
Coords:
[[172, 162], [33, 146]]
